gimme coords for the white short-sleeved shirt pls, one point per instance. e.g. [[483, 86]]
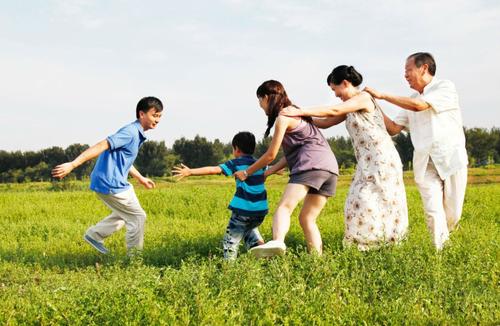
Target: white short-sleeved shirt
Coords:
[[436, 132]]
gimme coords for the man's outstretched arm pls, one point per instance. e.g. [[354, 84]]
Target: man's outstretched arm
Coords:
[[407, 103], [90, 153]]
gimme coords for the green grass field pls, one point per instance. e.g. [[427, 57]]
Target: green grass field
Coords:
[[49, 275]]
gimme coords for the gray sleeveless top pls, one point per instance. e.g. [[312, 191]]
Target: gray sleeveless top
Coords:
[[306, 149]]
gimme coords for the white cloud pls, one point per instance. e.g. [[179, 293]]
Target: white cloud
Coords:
[[83, 12]]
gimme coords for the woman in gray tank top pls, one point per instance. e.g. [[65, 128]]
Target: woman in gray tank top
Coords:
[[313, 170]]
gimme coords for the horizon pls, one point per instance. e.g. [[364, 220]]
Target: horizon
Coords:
[[228, 142]]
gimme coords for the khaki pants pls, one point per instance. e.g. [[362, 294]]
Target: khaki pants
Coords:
[[126, 211], [443, 201]]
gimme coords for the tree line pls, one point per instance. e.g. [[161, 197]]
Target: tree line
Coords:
[[156, 159]]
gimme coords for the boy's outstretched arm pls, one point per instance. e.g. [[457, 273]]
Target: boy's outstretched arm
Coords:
[[146, 182], [182, 171], [90, 153]]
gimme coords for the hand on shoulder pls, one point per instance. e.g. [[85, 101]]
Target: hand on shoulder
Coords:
[[291, 111], [373, 92]]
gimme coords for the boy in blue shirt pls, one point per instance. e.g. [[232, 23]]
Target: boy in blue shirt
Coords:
[[117, 154], [249, 204]]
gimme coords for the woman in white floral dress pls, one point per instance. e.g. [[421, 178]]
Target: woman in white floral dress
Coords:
[[375, 211]]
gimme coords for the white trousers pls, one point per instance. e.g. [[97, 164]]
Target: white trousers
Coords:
[[443, 201], [126, 211]]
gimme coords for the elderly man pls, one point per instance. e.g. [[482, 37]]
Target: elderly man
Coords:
[[433, 118]]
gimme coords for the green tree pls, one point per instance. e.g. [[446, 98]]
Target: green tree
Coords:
[[228, 151], [71, 152], [262, 146], [16, 175], [480, 144], [343, 150], [42, 172], [218, 149], [197, 152], [53, 156], [405, 149], [171, 159], [496, 136], [11, 161], [32, 158], [151, 160]]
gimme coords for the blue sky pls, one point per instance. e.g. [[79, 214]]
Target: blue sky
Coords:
[[72, 71]]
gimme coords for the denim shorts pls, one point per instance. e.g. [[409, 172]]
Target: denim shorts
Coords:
[[319, 182]]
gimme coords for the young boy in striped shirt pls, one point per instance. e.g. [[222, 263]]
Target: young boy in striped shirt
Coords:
[[249, 204]]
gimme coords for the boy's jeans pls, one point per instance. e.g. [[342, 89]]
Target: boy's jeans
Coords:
[[241, 227]]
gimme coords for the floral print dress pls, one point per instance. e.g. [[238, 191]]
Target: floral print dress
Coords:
[[375, 210]]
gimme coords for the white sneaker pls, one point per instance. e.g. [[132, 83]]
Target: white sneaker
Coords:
[[269, 249]]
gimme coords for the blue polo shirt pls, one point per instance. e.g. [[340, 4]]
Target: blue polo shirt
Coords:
[[111, 169], [250, 198]]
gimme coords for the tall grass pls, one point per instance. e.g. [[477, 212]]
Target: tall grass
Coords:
[[49, 275]]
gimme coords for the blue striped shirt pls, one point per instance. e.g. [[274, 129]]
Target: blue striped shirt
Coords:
[[250, 198]]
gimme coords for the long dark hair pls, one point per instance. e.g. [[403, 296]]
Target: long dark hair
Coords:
[[277, 100]]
